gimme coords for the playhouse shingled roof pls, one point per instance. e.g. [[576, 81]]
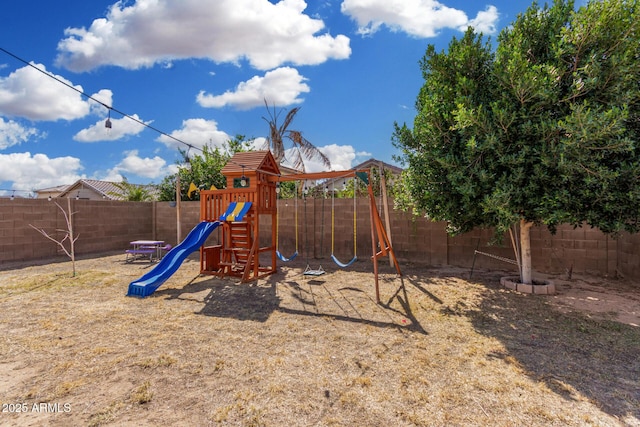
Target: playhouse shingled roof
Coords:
[[252, 161]]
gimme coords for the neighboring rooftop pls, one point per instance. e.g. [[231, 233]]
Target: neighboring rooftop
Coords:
[[88, 189], [379, 163]]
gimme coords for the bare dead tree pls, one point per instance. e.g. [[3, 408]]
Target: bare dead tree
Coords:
[[68, 234], [302, 147]]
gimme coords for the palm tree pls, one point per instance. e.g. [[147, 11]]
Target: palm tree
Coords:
[[303, 149], [132, 192]]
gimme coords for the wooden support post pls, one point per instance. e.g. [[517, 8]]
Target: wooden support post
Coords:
[[274, 238], [382, 238], [385, 207], [374, 250], [246, 274]]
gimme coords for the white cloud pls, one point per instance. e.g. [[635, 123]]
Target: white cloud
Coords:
[[31, 94], [105, 98], [159, 31], [12, 133], [198, 133], [419, 18], [280, 87], [29, 172], [258, 144], [361, 156], [340, 156], [485, 21], [119, 129], [133, 164], [112, 175]]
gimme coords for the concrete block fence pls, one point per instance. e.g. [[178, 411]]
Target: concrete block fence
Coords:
[[107, 226]]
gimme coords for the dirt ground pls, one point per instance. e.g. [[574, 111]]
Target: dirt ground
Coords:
[[441, 349]]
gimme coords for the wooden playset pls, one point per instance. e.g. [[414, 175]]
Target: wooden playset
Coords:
[[253, 177]]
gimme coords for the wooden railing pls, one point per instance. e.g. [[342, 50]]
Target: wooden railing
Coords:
[[215, 203]]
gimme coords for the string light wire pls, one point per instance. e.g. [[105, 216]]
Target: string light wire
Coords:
[[111, 108], [108, 107]]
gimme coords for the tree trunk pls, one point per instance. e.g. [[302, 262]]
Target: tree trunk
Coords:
[[525, 252], [71, 240]]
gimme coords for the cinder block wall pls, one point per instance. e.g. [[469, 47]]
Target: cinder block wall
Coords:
[[166, 220], [100, 226], [422, 241], [18, 241], [626, 248], [104, 226]]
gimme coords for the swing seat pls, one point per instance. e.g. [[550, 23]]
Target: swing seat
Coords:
[[285, 259], [309, 272], [342, 264]]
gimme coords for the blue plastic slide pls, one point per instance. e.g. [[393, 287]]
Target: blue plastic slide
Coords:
[[147, 284]]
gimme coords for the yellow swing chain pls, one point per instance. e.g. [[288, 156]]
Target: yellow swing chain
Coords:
[[295, 201], [355, 230], [355, 217], [333, 195]]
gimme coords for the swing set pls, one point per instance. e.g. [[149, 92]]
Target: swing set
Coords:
[[278, 253], [355, 227], [308, 270], [255, 177]]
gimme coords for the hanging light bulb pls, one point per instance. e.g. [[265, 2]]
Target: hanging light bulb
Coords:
[[278, 187], [107, 124], [243, 179], [78, 196], [49, 198], [13, 195]]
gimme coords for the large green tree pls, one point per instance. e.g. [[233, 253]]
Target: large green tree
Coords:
[[203, 169], [543, 130]]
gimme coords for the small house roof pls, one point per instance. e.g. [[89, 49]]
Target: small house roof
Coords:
[[377, 163], [106, 189], [248, 161], [57, 189]]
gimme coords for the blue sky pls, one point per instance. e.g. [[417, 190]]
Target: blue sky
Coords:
[[199, 70]]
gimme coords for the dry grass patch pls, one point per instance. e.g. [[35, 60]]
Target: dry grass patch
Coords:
[[14, 285], [290, 350], [105, 415], [142, 394]]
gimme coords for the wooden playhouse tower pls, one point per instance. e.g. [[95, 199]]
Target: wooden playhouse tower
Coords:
[[252, 177], [249, 179]]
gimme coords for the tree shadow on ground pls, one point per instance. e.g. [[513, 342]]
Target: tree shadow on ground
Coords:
[[574, 355], [316, 296], [339, 304], [349, 303], [229, 299]]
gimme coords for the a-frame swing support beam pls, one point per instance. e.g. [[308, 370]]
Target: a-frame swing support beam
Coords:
[[377, 230], [379, 237]]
